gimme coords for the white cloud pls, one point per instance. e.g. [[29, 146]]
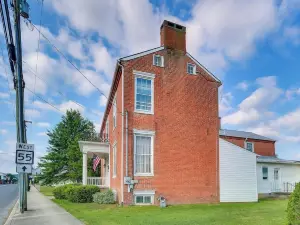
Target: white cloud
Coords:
[[225, 102], [242, 86], [70, 105], [4, 95], [42, 134], [256, 106], [291, 93], [32, 113], [292, 34], [9, 123], [290, 121], [3, 131], [43, 124], [102, 100]]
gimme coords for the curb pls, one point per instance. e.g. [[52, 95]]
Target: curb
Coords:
[[12, 213]]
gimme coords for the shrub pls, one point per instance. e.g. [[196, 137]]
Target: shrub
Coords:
[[82, 194], [106, 197], [293, 209], [61, 192]]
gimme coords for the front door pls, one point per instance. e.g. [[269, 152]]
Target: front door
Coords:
[[277, 180]]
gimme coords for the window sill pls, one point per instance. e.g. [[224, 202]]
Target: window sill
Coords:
[[144, 112], [144, 175], [158, 66], [193, 74]]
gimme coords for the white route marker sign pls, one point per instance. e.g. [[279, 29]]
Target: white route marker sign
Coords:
[[24, 153], [24, 168]]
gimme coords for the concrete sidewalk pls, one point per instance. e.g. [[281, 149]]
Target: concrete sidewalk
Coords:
[[41, 210]]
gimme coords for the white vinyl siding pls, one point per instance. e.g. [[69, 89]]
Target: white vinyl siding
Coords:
[[191, 68], [238, 182], [144, 93], [143, 154], [287, 173], [114, 160], [158, 60], [115, 112]]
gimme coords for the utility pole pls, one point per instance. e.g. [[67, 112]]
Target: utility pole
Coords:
[[20, 84]]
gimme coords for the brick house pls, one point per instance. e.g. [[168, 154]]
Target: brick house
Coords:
[[161, 131]]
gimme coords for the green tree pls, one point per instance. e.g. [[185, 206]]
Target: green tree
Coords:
[[63, 160]]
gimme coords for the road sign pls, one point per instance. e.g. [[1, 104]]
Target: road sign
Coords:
[[24, 157], [24, 168], [26, 147], [24, 153]]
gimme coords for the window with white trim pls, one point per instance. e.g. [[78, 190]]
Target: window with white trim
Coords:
[[249, 146], [115, 112], [191, 68], [115, 160], [143, 154], [144, 94], [106, 129], [158, 60], [143, 199], [265, 173]]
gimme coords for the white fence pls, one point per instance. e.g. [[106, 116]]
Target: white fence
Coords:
[[98, 181]]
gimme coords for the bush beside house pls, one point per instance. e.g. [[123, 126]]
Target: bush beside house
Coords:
[[293, 209], [76, 193], [106, 197]]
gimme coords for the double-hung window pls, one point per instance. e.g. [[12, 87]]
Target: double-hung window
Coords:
[[144, 92], [265, 173], [249, 146], [115, 160], [191, 68], [158, 60], [143, 153], [106, 129], [115, 112]]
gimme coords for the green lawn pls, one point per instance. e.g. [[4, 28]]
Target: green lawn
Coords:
[[265, 212], [47, 190]]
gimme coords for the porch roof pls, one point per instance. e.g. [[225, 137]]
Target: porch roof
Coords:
[[272, 159], [90, 147]]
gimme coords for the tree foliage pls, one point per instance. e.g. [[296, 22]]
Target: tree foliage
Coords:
[[63, 160]]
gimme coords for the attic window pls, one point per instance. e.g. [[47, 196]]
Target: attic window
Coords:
[[249, 146], [158, 60], [191, 68]]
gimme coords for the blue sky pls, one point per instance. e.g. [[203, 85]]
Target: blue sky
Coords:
[[252, 46]]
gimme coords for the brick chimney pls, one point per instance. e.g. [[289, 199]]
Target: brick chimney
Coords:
[[172, 36]]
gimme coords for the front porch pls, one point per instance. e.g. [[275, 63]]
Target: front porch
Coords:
[[101, 149]]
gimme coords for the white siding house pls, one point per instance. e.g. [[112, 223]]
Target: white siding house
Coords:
[[276, 175], [238, 181]]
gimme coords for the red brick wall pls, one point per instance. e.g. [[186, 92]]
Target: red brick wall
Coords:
[[115, 136], [186, 128], [173, 38], [261, 147]]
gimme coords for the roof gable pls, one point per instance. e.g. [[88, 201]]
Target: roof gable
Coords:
[[243, 134]]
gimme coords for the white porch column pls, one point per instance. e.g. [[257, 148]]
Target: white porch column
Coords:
[[84, 168]]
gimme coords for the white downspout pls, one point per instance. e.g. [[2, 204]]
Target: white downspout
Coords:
[[126, 147]]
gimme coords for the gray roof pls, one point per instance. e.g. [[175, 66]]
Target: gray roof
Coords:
[[273, 159], [243, 134]]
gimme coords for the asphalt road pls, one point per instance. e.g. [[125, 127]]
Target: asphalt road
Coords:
[[8, 197]]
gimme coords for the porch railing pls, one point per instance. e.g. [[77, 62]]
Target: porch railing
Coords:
[[286, 187], [98, 181], [289, 187]]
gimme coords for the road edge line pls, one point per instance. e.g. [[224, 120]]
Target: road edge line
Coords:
[[12, 213]]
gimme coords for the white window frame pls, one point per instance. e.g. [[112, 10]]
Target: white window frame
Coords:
[[144, 193], [149, 76], [194, 68], [107, 129], [162, 60], [144, 133], [262, 172], [114, 170], [115, 112], [249, 142]]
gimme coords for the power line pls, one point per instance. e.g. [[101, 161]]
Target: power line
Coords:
[[65, 57], [44, 100], [7, 79]]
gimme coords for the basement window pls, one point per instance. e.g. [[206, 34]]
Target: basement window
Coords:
[[143, 199], [158, 60], [191, 69], [265, 173]]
